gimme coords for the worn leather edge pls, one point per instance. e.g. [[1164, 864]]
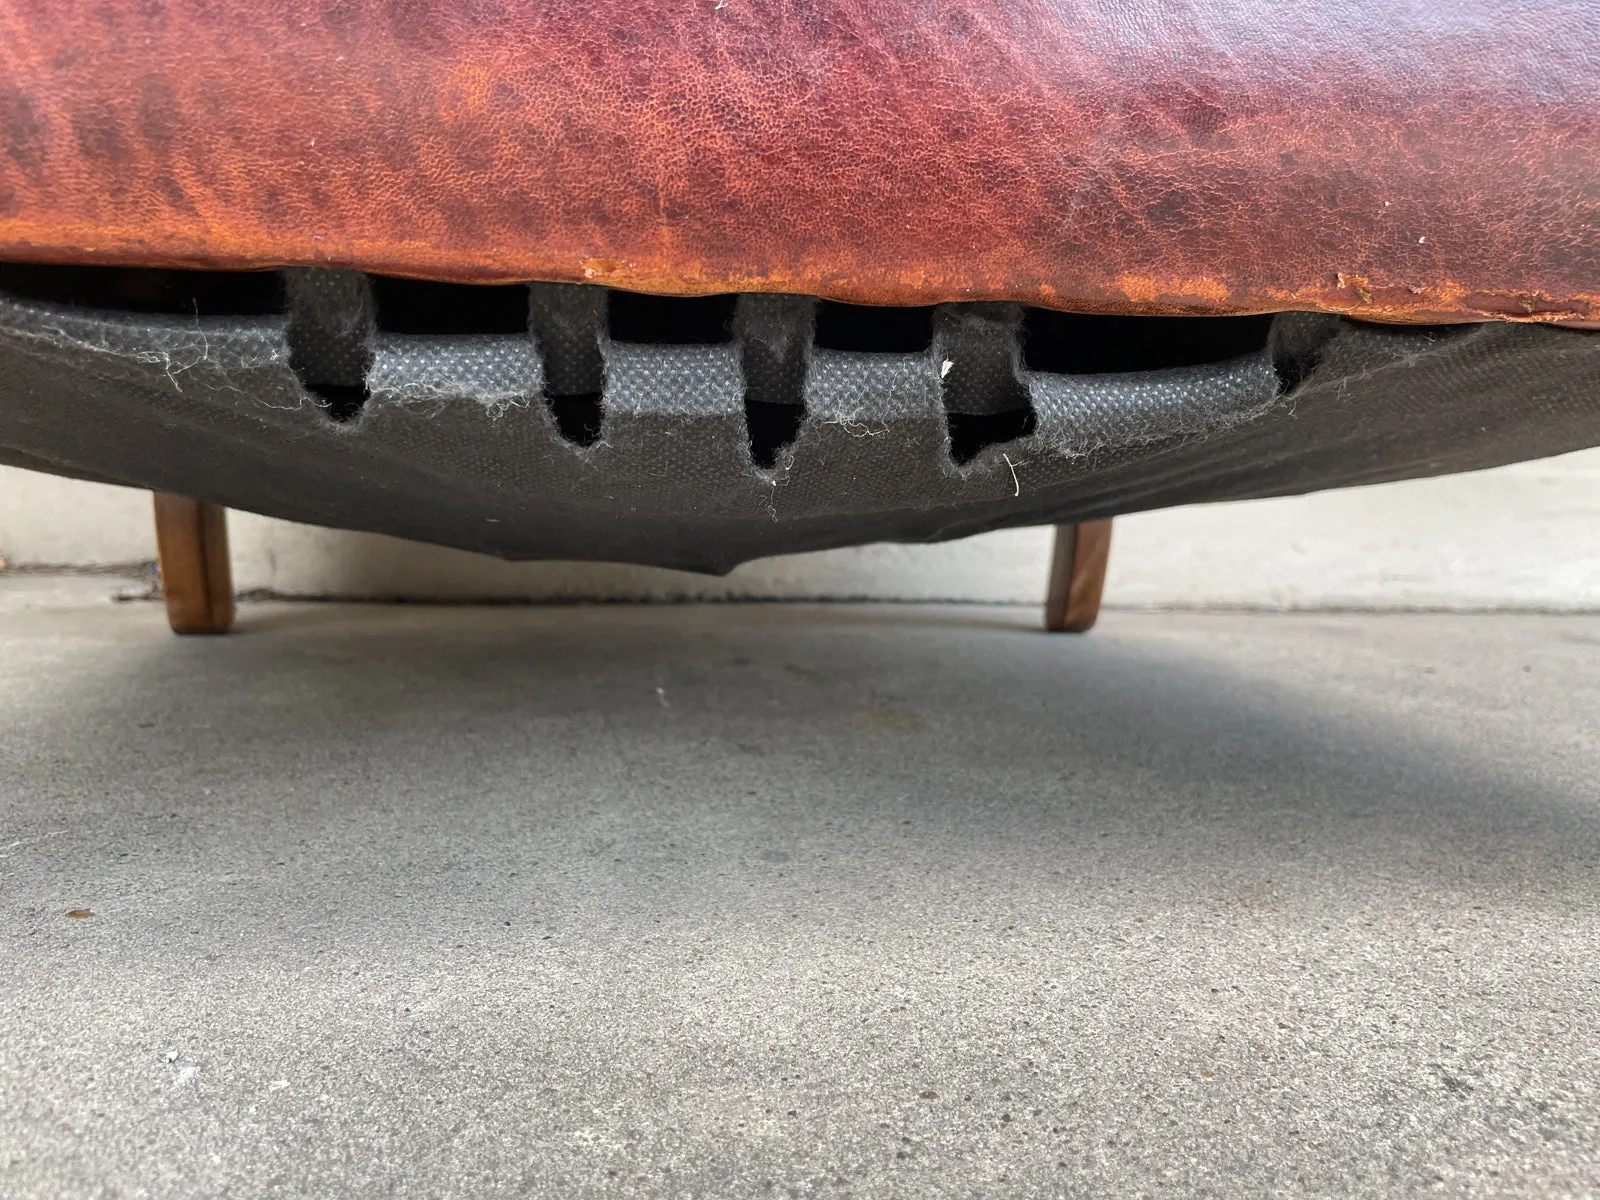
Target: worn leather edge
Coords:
[[1402, 162]]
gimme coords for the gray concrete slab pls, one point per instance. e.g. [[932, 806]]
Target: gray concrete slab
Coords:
[[796, 901]]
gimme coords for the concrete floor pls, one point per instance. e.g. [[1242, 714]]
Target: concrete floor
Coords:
[[795, 901]]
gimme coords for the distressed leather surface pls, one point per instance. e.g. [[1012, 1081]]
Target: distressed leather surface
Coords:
[[1417, 160]]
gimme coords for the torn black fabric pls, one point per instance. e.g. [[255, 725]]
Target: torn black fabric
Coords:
[[701, 454]]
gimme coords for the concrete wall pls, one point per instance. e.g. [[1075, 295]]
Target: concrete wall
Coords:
[[1526, 536]]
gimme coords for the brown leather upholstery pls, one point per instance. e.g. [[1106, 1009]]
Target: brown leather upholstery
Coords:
[[1396, 159]]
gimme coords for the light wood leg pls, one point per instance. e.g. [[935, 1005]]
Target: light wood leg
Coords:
[[1077, 576], [192, 543]]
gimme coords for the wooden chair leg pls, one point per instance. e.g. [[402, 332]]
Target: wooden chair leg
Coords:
[[192, 544], [1077, 576]]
